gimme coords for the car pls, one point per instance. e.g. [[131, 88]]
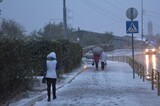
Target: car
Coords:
[[150, 50], [89, 55]]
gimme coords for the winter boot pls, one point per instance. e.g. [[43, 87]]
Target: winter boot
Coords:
[[49, 98]]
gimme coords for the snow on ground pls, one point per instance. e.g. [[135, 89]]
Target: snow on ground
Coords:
[[124, 52], [38, 95], [114, 86]]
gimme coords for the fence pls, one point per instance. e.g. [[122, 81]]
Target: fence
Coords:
[[156, 80], [118, 58], [140, 70]]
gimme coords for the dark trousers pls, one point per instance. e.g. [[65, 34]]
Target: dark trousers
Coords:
[[96, 65], [51, 81], [102, 65]]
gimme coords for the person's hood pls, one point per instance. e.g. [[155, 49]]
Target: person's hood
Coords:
[[52, 54]]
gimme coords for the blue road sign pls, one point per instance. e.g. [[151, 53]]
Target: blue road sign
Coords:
[[132, 27]]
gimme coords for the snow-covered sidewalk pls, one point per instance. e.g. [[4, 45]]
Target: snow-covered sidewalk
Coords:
[[67, 78], [114, 86]]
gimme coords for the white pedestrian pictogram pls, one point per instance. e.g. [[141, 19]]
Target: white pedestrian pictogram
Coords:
[[132, 28]]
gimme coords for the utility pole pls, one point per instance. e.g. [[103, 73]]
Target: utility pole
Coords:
[[65, 20], [0, 10], [142, 20], [142, 28]]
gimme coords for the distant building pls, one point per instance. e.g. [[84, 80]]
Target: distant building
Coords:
[[150, 28]]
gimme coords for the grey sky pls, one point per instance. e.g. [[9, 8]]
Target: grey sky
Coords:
[[93, 15]]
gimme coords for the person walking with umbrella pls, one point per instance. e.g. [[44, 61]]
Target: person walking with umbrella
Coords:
[[96, 58], [96, 55]]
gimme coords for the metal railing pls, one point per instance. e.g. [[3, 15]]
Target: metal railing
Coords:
[[140, 70], [118, 58], [156, 80]]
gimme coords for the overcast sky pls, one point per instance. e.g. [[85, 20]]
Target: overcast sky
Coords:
[[92, 15]]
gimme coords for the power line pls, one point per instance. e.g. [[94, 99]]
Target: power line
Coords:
[[103, 9], [107, 2], [120, 3], [155, 13], [153, 16], [109, 24], [110, 10], [93, 7], [99, 10]]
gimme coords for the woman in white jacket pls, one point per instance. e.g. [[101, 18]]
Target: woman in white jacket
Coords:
[[51, 75]]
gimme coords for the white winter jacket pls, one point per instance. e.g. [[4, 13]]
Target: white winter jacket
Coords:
[[51, 66], [103, 57]]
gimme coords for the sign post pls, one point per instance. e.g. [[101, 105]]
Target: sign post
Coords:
[[132, 27]]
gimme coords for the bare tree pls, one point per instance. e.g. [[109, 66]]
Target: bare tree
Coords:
[[11, 29]]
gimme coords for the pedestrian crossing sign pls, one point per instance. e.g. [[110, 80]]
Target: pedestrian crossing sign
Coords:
[[132, 27]]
